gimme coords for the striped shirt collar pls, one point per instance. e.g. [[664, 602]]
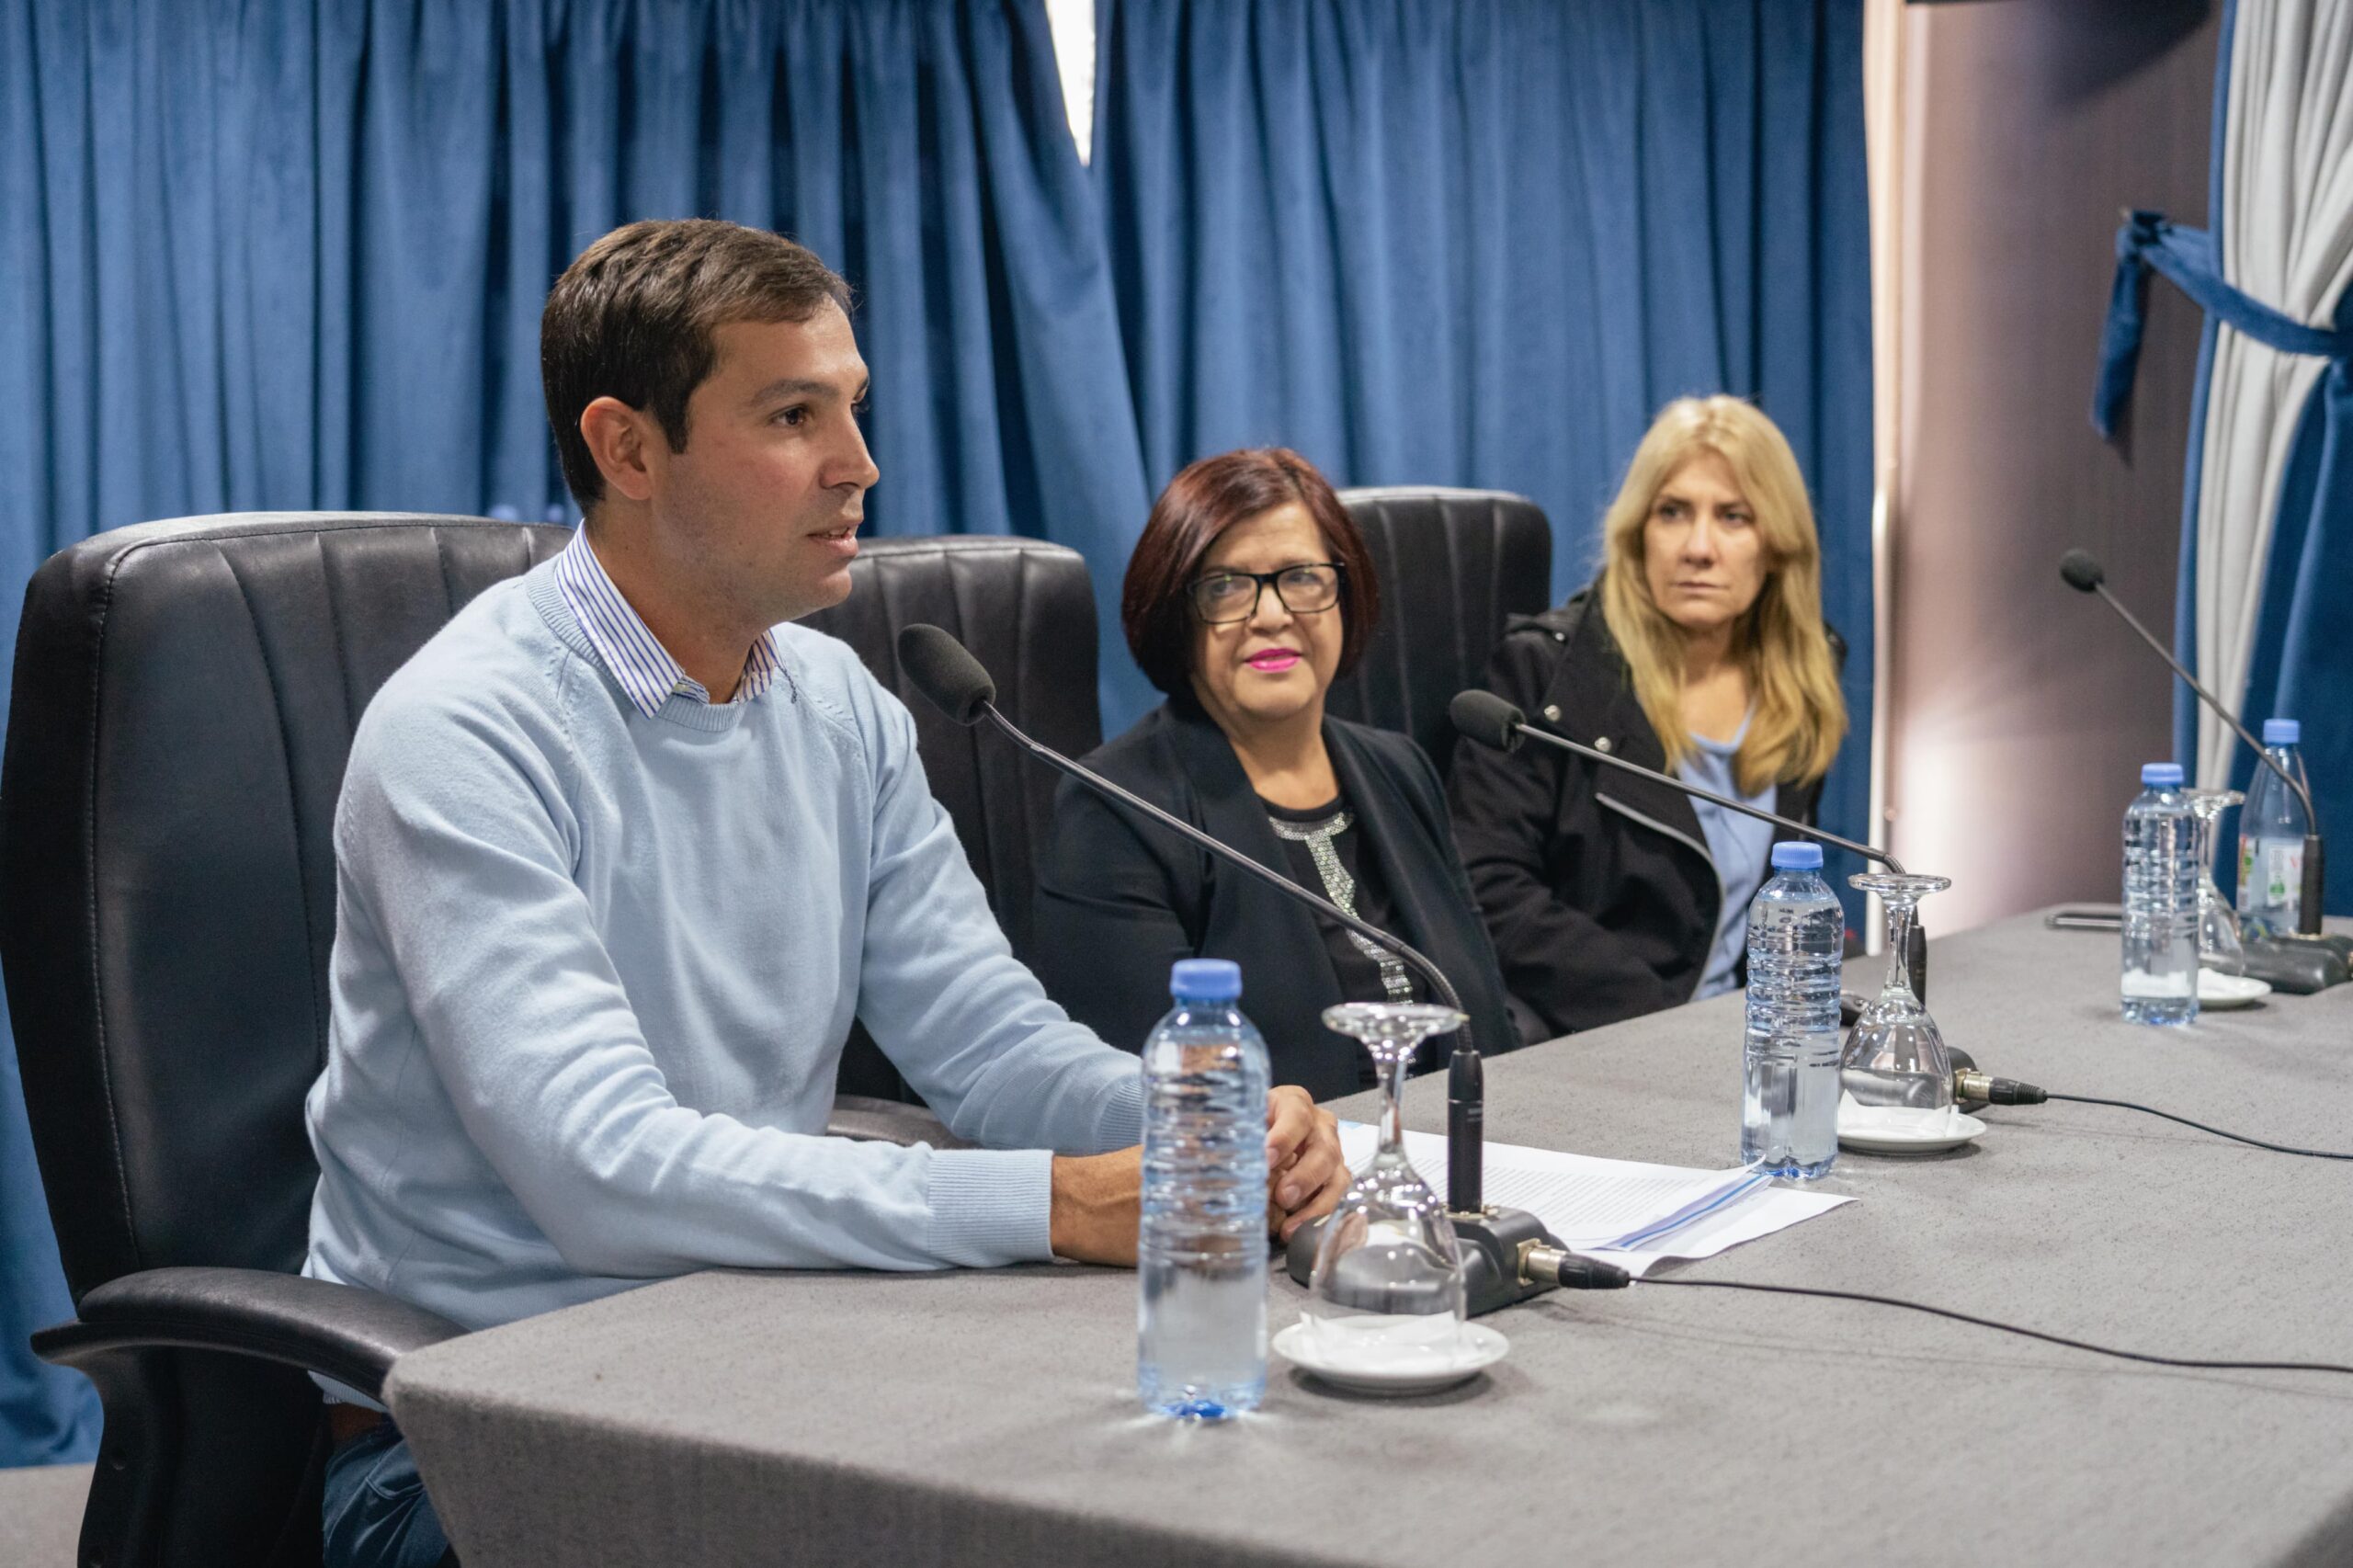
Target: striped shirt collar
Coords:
[[647, 673]]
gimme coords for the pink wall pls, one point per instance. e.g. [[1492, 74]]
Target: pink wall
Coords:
[[2020, 710]]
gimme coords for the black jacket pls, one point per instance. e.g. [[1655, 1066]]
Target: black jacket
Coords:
[[1119, 901], [1596, 886]]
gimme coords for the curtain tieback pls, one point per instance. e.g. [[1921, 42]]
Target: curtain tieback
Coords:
[[2187, 257]]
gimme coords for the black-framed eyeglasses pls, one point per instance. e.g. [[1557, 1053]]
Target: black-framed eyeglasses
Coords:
[[1304, 589]]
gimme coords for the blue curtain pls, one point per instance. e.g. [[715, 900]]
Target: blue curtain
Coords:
[[1482, 243], [2303, 664], [2301, 661], [279, 254]]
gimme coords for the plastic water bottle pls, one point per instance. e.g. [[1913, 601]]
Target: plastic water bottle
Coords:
[[2160, 902], [1789, 1105], [1201, 1253], [2271, 838]]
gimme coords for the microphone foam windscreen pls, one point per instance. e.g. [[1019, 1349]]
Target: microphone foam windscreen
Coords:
[[1487, 719], [945, 672], [2082, 570]]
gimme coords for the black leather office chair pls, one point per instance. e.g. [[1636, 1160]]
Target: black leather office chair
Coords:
[[1453, 564], [1027, 611], [1026, 608], [184, 700]]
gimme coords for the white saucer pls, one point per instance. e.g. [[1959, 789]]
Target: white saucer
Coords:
[[2217, 990], [1892, 1130], [1411, 1369]]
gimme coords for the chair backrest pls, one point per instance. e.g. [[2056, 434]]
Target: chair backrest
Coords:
[[1026, 608], [184, 700], [1027, 611], [183, 704], [1454, 566]]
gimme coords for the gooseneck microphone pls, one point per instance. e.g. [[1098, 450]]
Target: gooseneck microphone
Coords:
[[946, 673], [949, 677], [2083, 573], [1491, 721], [1508, 1254]]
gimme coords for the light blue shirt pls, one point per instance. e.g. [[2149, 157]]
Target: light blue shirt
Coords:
[[632, 654], [1740, 845], [594, 966]]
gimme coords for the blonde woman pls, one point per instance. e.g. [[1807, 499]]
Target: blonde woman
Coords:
[[1699, 650]]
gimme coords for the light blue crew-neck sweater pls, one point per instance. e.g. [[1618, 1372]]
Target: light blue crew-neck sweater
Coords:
[[593, 971]]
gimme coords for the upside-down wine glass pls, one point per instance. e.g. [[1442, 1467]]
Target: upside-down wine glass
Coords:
[[1896, 1057], [1388, 1281], [2219, 946]]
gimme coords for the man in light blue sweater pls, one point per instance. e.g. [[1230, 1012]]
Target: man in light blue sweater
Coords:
[[621, 853]]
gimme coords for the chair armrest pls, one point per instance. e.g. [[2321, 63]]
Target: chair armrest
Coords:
[[348, 1333], [889, 1121]]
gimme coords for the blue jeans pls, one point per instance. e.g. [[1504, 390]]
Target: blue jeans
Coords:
[[376, 1513]]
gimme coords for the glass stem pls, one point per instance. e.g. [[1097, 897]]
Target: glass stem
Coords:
[[1899, 944], [1392, 1102]]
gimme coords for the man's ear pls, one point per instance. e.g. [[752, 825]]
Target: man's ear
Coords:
[[617, 434]]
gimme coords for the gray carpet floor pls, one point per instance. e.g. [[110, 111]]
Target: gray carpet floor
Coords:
[[40, 1515]]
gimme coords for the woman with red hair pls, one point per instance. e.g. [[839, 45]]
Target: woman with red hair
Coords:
[[1249, 593]]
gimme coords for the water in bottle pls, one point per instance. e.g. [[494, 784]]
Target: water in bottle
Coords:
[[1201, 1251], [2160, 902], [2271, 838], [1788, 1109]]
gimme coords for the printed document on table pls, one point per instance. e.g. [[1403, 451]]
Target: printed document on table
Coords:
[[1636, 1215]]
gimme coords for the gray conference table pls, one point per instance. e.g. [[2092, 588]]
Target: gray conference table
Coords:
[[990, 1418]]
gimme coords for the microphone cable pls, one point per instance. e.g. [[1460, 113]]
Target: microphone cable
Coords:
[[2234, 1137], [2191, 1363], [1973, 1085]]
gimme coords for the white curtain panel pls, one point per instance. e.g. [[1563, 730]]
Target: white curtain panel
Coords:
[[2287, 240]]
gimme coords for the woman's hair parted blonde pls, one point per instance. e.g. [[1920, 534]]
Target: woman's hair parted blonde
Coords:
[[1800, 716]]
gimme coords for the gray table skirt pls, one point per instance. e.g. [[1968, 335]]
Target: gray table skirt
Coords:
[[990, 1418]]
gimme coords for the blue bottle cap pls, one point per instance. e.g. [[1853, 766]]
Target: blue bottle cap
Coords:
[[2161, 775], [1205, 980], [1797, 856], [2283, 733]]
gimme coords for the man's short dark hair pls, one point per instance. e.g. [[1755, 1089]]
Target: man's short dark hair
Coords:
[[633, 317]]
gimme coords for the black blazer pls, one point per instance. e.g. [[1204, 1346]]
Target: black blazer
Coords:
[[1118, 901], [1596, 886]]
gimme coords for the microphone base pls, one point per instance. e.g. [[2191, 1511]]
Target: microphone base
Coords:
[[2300, 965], [1494, 1243]]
